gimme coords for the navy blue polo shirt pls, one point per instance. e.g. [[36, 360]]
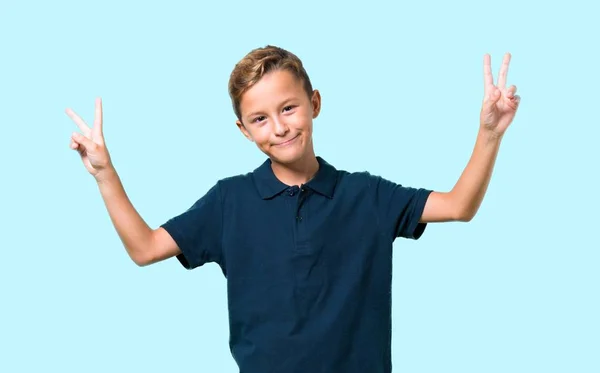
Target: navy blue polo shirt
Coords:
[[308, 267]]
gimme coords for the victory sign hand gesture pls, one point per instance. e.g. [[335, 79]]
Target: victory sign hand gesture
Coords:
[[90, 142], [500, 104]]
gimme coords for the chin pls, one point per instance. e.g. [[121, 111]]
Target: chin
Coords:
[[286, 156]]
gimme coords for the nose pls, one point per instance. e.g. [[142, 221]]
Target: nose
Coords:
[[280, 128]]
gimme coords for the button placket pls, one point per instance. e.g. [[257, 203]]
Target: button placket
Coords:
[[301, 199], [291, 191]]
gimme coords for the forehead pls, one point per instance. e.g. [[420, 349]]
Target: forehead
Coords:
[[271, 89]]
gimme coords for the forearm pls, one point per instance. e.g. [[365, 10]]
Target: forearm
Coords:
[[135, 234], [472, 185]]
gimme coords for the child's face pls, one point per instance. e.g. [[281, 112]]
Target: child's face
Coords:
[[277, 115]]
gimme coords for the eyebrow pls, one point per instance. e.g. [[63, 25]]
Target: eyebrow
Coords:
[[287, 100]]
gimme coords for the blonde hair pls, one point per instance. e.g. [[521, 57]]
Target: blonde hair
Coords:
[[260, 61]]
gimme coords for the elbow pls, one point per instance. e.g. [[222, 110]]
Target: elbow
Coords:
[[141, 260], [142, 254], [465, 215], [461, 208], [466, 218]]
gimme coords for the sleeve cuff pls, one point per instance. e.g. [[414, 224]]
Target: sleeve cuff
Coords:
[[184, 257], [415, 229]]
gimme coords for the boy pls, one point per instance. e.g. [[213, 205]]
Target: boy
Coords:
[[306, 248]]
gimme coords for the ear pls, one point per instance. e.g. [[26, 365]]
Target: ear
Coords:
[[244, 130], [316, 103]]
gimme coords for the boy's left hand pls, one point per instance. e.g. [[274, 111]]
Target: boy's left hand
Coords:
[[500, 104]]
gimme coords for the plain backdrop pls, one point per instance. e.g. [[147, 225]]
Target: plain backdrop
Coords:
[[515, 290]]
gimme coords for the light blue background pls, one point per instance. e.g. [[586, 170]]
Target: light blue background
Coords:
[[515, 290]]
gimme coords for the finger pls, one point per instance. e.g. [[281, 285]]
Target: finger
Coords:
[[98, 116], [503, 71], [515, 101], [492, 98], [488, 78], [73, 144], [511, 91], [79, 122], [83, 141]]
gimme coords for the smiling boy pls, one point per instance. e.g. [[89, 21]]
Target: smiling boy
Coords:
[[306, 248]]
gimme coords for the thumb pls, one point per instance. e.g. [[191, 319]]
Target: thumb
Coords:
[[83, 141], [492, 97]]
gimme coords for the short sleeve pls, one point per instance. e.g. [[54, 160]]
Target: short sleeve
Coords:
[[197, 231], [399, 208]]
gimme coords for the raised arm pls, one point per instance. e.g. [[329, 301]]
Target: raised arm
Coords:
[[499, 107], [143, 244]]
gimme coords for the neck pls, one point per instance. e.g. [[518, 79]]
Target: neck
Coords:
[[297, 173]]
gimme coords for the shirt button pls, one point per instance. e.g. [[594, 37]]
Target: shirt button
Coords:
[[299, 218]]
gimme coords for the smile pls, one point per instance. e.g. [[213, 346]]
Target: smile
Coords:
[[288, 142]]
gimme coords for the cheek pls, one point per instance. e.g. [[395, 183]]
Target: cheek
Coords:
[[303, 122], [261, 136], [307, 125]]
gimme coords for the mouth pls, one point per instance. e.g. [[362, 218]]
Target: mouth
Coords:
[[288, 142]]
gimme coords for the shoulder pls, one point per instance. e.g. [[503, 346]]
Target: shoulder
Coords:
[[358, 178], [366, 183], [355, 183], [235, 185], [234, 182]]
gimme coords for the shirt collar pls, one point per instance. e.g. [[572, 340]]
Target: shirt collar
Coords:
[[269, 185]]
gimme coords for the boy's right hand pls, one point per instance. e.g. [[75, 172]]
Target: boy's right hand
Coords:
[[90, 143]]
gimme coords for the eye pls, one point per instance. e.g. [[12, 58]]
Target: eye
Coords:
[[258, 119], [288, 108]]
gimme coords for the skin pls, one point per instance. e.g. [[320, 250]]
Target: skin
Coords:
[[267, 120], [498, 110], [277, 115]]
